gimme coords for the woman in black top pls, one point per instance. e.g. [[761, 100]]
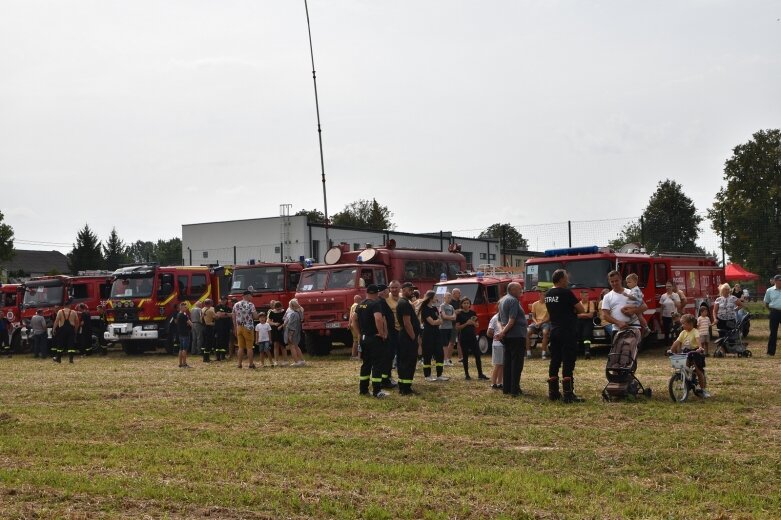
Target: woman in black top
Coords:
[[275, 318], [432, 347], [466, 324]]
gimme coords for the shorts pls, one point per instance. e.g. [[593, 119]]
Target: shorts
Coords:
[[704, 339], [453, 335], [497, 354], [535, 329], [696, 359], [184, 343], [264, 347], [444, 337], [245, 337]]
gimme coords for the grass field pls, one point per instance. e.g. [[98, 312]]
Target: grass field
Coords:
[[136, 437]]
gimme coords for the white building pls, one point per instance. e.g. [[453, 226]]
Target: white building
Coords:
[[276, 239]]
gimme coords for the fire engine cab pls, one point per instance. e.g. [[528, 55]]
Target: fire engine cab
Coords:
[[144, 297], [326, 292], [484, 288], [267, 281], [698, 276], [11, 308], [50, 293]]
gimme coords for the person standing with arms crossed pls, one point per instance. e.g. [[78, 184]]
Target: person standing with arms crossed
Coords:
[[408, 339], [513, 337], [772, 301], [369, 323], [563, 309]]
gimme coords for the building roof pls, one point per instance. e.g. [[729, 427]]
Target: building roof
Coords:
[[37, 262]]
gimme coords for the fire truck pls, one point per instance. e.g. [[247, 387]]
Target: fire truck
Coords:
[[50, 293], [698, 276], [326, 292], [144, 297], [11, 307], [484, 288], [267, 281]]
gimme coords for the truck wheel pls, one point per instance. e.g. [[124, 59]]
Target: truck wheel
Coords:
[[131, 348], [484, 344], [320, 345], [16, 343]]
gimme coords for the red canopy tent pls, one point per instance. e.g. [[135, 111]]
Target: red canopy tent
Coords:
[[736, 273]]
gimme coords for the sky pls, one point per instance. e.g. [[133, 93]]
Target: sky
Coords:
[[455, 114]]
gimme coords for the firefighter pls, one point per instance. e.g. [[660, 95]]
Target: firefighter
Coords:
[[5, 331], [370, 324], [66, 323], [389, 297], [408, 339], [85, 331], [209, 318], [222, 328]]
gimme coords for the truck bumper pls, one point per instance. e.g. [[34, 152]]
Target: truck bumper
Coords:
[[120, 331]]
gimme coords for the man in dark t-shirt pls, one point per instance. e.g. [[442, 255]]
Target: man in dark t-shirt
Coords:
[[408, 339], [370, 323], [563, 309]]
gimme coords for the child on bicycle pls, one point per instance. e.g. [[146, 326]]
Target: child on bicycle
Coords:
[[688, 343]]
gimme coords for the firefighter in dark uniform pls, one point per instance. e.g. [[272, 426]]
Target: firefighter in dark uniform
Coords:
[[222, 328], [408, 340], [66, 323], [392, 338], [370, 324]]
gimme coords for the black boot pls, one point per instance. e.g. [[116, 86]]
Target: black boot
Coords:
[[553, 389], [587, 349], [569, 391], [206, 357]]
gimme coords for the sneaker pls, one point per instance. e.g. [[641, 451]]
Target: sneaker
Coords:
[[431, 378], [299, 363], [449, 363], [528, 355], [482, 376], [443, 378], [381, 395], [544, 356], [420, 362], [253, 367], [460, 361], [705, 394], [273, 364]]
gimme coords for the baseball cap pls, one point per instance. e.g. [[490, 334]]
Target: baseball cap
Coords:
[[245, 293], [408, 285], [381, 287], [372, 289]]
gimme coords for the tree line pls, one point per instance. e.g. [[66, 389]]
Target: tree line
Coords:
[[89, 253]]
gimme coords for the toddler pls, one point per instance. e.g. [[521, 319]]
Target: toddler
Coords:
[[703, 327], [263, 340]]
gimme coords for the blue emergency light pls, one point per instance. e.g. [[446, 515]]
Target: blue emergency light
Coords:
[[587, 250]]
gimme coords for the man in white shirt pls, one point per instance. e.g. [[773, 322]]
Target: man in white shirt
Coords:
[[617, 310]]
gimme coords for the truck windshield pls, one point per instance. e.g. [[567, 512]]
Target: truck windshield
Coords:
[[44, 294], [582, 273], [468, 290], [258, 279], [140, 287], [328, 279]]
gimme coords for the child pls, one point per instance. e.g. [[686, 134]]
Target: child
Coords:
[[688, 342], [466, 323], [263, 340], [636, 296], [703, 326]]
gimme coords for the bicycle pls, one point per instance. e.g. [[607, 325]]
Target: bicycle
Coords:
[[684, 380]]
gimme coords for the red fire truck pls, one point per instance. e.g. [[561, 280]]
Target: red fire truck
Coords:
[[11, 307], [698, 276], [484, 288], [326, 292], [144, 298], [50, 293], [267, 281]]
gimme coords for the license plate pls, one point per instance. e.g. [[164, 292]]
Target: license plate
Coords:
[[332, 325]]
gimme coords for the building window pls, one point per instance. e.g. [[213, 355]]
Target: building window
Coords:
[[276, 249], [316, 250], [206, 254], [482, 256], [492, 256], [356, 246]]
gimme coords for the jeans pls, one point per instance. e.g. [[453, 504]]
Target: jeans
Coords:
[[40, 345]]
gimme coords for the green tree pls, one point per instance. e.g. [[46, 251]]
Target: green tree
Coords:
[[630, 233], [6, 240], [169, 252], [87, 252], [747, 211], [313, 216], [511, 237], [669, 223], [142, 251], [365, 214], [115, 252]]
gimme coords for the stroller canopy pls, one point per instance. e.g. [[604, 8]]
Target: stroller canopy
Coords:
[[734, 272]]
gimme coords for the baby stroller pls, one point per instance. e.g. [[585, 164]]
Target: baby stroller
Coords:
[[621, 366], [731, 339]]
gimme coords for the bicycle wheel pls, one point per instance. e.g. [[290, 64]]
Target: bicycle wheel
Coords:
[[679, 388]]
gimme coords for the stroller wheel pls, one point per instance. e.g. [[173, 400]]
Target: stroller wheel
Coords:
[[747, 353], [718, 353], [605, 396], [647, 392]]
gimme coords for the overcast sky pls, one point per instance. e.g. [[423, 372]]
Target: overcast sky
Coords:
[[145, 115]]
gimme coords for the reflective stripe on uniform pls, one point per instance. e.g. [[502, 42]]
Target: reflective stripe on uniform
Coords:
[[440, 364], [376, 380], [364, 378], [405, 381]]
